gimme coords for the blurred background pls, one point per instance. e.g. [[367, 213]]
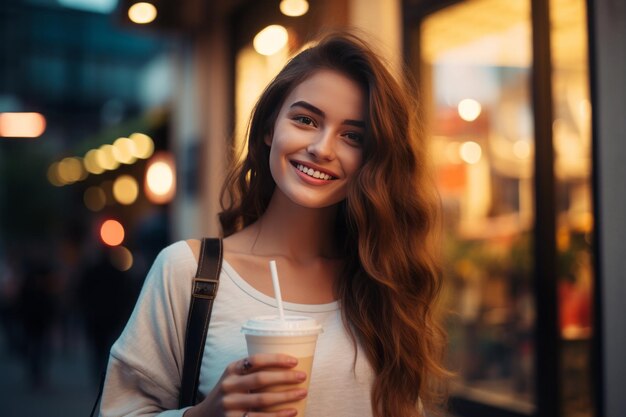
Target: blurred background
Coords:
[[118, 119]]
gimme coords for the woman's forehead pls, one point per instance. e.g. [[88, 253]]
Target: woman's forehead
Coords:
[[332, 92]]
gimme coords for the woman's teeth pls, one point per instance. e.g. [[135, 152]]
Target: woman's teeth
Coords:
[[313, 173]]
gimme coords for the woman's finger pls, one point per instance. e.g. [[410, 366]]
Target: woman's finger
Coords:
[[262, 400], [290, 412], [260, 361], [262, 379]]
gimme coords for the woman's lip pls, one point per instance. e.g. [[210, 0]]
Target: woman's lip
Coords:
[[314, 167]]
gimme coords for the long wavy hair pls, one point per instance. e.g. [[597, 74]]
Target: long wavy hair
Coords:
[[384, 228]]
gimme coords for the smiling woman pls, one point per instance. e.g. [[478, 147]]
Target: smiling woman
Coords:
[[334, 189]]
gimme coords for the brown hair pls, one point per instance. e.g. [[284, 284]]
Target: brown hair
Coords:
[[384, 226]]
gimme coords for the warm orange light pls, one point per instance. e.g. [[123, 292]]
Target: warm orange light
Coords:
[[112, 232], [22, 125]]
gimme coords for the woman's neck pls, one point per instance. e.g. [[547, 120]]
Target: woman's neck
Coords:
[[293, 231]]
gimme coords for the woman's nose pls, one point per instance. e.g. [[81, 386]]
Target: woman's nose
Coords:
[[323, 147]]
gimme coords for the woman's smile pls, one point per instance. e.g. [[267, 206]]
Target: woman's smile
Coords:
[[312, 172]]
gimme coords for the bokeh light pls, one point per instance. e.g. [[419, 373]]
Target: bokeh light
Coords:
[[22, 125], [91, 162], [125, 150], [143, 145], [94, 198], [294, 8], [160, 180], [270, 40], [106, 157], [70, 170], [469, 109], [521, 149], [142, 13], [121, 258], [53, 175], [470, 152], [125, 190], [112, 232]]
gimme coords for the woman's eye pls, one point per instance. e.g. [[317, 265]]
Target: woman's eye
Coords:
[[354, 137], [304, 120]]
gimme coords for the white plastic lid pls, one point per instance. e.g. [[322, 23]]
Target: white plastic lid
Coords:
[[273, 325]]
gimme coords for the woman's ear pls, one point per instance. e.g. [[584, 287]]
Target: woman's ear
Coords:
[[268, 138]]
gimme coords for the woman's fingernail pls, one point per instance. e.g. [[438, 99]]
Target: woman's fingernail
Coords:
[[292, 361], [301, 393], [301, 376]]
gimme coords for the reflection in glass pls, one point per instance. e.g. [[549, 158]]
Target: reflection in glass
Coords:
[[572, 144], [475, 76]]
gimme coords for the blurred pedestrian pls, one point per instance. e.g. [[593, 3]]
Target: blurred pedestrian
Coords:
[[9, 302], [38, 312], [105, 299]]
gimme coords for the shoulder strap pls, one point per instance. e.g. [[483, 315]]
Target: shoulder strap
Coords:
[[204, 289]]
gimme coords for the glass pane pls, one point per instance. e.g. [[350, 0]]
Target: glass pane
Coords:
[[253, 72], [475, 76], [572, 145]]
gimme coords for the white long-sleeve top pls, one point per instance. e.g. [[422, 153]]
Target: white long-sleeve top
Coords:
[[145, 365]]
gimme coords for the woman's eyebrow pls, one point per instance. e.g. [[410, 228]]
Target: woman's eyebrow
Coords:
[[309, 107], [319, 112]]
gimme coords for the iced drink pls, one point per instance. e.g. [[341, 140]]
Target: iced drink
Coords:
[[295, 336]]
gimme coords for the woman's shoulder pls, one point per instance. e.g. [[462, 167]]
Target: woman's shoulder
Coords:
[[177, 255], [181, 249], [194, 246], [170, 267], [182, 252]]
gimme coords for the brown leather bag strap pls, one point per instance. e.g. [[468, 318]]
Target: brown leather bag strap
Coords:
[[204, 289]]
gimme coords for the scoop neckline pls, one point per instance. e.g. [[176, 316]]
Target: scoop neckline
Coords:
[[265, 299]]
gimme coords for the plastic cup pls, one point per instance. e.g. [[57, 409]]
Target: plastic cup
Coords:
[[295, 336]]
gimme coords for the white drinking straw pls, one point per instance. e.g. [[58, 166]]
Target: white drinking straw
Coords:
[[279, 297]]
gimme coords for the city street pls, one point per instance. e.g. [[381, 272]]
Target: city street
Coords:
[[69, 391]]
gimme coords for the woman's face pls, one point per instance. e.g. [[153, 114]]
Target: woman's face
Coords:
[[316, 147]]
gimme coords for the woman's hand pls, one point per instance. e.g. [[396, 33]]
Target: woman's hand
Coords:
[[237, 394]]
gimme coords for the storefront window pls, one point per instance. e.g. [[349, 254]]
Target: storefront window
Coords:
[[475, 79], [571, 131], [253, 72]]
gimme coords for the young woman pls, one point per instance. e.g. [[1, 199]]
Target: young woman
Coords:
[[334, 188]]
